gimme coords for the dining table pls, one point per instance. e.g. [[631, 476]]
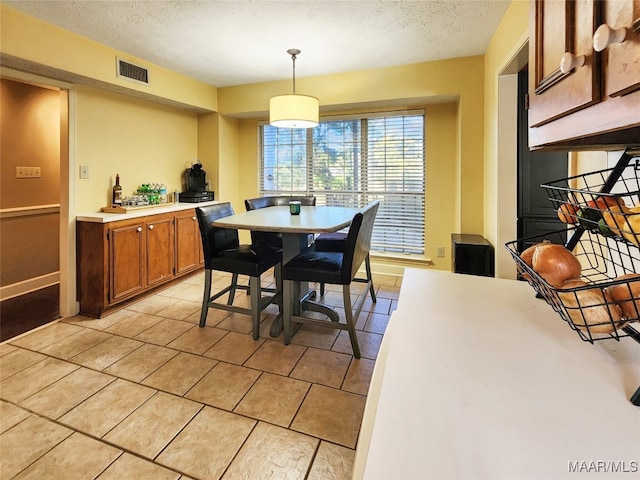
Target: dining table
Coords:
[[295, 230]]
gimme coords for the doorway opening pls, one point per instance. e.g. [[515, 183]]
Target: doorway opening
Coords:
[[38, 248]]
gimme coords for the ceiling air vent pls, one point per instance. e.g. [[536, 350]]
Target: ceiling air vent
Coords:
[[132, 72]]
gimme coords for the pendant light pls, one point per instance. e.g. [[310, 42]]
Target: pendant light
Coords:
[[293, 111]]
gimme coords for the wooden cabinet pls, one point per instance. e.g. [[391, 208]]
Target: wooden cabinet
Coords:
[[584, 81], [119, 260], [127, 254], [188, 243], [160, 249]]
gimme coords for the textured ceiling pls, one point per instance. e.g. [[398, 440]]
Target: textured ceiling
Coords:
[[236, 42]]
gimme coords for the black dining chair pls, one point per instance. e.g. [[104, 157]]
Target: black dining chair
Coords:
[[274, 239], [223, 252], [331, 267], [337, 242]]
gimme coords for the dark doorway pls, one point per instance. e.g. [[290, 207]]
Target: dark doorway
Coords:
[[536, 215], [26, 312]]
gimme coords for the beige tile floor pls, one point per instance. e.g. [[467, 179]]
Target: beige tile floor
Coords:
[[144, 393]]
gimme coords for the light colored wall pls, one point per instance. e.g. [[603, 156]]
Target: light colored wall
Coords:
[[208, 152], [142, 141], [442, 171], [499, 170], [59, 52]]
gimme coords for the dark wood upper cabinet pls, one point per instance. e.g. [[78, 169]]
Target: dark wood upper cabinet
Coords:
[[566, 76], [580, 95], [622, 74]]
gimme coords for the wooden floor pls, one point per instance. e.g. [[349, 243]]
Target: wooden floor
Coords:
[[24, 313]]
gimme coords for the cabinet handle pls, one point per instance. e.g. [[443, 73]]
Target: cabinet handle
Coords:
[[605, 36], [569, 61], [139, 229], [150, 227]]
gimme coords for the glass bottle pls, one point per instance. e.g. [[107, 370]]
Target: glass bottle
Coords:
[[117, 192]]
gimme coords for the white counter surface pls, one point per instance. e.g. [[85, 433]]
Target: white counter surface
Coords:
[[101, 217], [477, 378]]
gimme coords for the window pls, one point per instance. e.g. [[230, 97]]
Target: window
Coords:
[[351, 161]]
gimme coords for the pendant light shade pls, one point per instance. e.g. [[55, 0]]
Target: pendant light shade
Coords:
[[294, 111]]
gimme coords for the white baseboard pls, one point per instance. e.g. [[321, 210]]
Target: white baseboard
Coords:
[[28, 286]]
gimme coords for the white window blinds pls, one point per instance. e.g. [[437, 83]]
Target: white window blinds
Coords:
[[351, 161]]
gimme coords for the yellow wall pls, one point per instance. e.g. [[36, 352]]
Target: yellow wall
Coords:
[[80, 59], [142, 141], [507, 41]]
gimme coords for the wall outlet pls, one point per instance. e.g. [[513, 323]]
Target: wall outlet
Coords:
[[440, 252], [28, 172], [84, 171]]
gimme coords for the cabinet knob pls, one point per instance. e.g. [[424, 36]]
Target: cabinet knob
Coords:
[[139, 229], [193, 218], [150, 227], [605, 36], [569, 61]]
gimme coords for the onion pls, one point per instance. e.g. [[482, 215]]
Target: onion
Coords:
[[627, 295], [590, 308], [527, 254], [555, 264]]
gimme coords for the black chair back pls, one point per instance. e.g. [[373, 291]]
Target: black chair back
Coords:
[[305, 200], [257, 203], [358, 242], [278, 200], [215, 240]]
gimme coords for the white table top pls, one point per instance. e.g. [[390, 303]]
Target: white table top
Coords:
[[317, 219], [477, 378]]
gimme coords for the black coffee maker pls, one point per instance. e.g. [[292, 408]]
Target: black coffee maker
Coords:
[[195, 181]]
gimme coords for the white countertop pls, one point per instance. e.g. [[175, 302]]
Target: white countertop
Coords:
[[101, 217], [477, 378]]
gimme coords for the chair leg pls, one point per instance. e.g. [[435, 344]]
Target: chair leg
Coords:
[[321, 290], [254, 291], [277, 273], [287, 307], [205, 297], [372, 290], [232, 292], [351, 326]]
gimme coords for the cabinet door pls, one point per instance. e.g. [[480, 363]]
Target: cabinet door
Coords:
[[562, 30], [127, 260], [621, 59], [160, 249], [187, 242]]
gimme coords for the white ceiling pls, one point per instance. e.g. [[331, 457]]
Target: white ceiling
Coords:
[[234, 42]]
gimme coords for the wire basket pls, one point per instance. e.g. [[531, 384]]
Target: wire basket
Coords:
[[591, 309], [579, 201]]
